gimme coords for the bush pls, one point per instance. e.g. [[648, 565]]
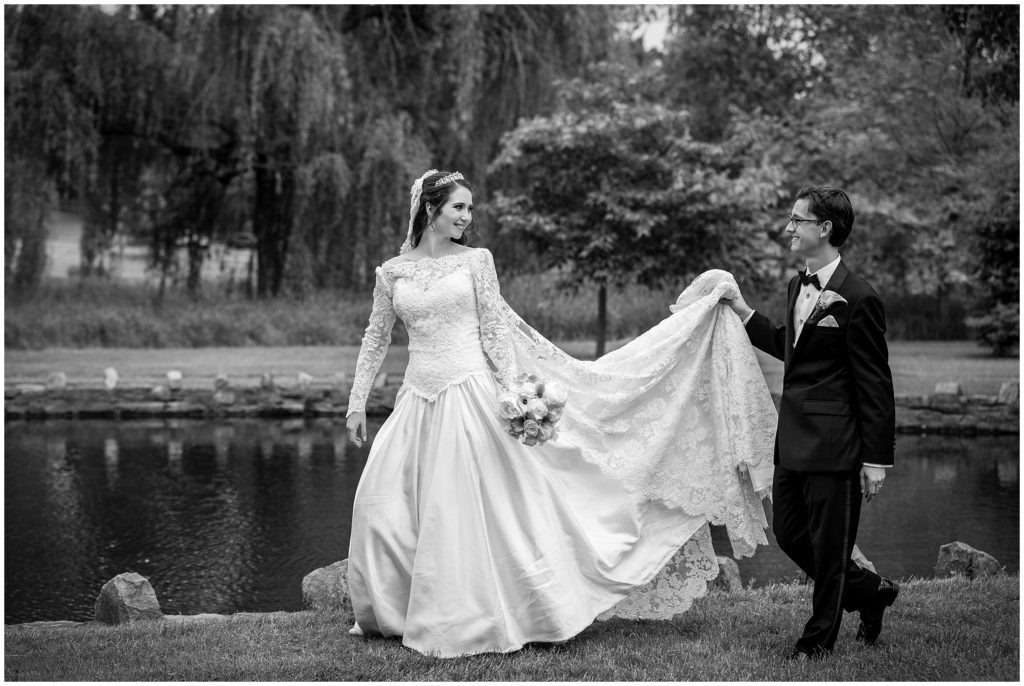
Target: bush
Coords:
[[999, 329]]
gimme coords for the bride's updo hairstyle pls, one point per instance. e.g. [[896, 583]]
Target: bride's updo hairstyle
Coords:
[[437, 188]]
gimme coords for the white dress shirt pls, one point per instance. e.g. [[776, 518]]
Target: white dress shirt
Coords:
[[807, 298]]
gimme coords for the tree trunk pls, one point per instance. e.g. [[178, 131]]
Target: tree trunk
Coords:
[[602, 318], [195, 264], [272, 225]]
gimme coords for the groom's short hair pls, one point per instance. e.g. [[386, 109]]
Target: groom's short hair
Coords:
[[832, 204]]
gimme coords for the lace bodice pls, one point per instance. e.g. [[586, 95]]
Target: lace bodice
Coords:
[[448, 305]]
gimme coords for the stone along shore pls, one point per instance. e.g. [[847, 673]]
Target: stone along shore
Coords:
[[130, 598], [945, 411]]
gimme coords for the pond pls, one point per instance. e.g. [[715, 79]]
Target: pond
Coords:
[[229, 516]]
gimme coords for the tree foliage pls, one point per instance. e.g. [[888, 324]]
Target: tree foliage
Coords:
[[301, 126], [614, 190], [298, 128], [908, 108]]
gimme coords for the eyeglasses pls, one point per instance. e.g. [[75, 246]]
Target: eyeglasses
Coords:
[[796, 221]]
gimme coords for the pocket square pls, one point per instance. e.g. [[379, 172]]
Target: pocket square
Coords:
[[829, 322]]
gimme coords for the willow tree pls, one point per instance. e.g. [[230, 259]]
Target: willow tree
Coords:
[[303, 123], [439, 85], [264, 91], [50, 134]]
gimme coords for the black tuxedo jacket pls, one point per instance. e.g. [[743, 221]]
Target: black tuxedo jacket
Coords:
[[837, 409]]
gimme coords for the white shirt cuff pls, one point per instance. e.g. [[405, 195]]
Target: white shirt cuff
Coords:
[[882, 466], [747, 318]]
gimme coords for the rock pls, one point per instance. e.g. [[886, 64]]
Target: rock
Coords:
[[339, 380], [224, 397], [858, 558], [327, 588], [57, 381], [221, 383], [948, 388], [30, 388], [160, 392], [947, 403], [110, 378], [304, 381], [267, 381], [174, 380], [127, 598], [290, 408], [728, 578], [1009, 393], [960, 559], [381, 380]]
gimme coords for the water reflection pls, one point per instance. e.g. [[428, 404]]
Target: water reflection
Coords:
[[221, 517], [229, 516], [943, 489]]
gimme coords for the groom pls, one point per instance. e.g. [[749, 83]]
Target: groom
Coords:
[[836, 432]]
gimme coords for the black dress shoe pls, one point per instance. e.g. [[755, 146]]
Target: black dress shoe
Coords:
[[871, 616], [803, 656]]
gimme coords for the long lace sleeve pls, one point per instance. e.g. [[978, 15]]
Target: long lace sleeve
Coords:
[[375, 343], [494, 320]]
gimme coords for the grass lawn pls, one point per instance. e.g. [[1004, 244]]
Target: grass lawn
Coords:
[[938, 630], [917, 365]]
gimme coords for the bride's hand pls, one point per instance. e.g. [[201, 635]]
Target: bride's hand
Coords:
[[356, 425]]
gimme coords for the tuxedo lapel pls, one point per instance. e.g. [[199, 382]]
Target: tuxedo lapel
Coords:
[[794, 290], [834, 284]]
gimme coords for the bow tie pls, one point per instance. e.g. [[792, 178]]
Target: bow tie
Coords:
[[811, 279]]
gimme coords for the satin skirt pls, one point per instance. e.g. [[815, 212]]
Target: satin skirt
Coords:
[[465, 541]]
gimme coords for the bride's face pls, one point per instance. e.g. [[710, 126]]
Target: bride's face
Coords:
[[455, 216]]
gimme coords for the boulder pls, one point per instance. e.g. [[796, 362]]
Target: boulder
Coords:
[[1009, 393], [267, 381], [960, 559], [728, 578], [948, 388], [304, 381], [327, 588], [127, 598], [858, 559], [110, 378], [224, 397], [174, 380], [160, 392], [57, 381], [221, 383]]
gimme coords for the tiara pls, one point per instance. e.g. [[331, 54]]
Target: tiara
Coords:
[[454, 176]]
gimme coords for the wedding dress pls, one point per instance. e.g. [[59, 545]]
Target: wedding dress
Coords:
[[466, 541]]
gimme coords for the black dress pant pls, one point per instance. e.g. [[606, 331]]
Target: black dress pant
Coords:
[[815, 519]]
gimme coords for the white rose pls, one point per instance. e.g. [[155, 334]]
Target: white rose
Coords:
[[536, 409], [508, 407], [555, 394]]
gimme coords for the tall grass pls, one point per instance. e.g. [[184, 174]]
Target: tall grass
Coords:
[[96, 313], [108, 314]]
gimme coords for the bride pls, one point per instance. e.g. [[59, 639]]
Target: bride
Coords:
[[465, 540]]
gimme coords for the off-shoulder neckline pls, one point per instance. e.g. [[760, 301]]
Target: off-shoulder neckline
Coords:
[[461, 253]]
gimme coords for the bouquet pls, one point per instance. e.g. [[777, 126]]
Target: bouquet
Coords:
[[531, 408]]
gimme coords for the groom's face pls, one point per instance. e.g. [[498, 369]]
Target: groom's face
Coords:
[[805, 236]]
